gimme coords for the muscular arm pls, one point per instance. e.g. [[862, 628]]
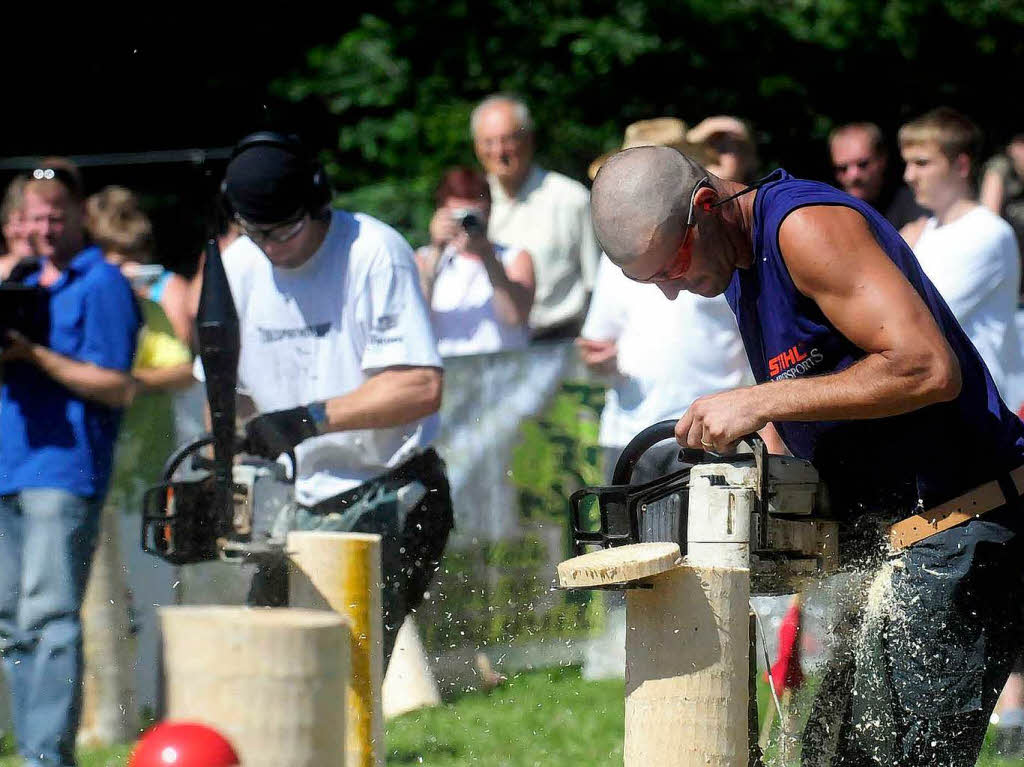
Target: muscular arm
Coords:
[[392, 397], [835, 261]]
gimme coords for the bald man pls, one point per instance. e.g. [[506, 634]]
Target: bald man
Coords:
[[864, 371]]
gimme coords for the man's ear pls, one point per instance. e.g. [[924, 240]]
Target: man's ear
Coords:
[[705, 199], [962, 165]]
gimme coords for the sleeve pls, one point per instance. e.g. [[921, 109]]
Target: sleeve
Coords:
[[159, 349], [111, 323], [606, 315], [393, 318], [590, 251]]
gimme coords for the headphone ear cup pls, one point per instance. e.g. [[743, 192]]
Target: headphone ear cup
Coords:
[[320, 190]]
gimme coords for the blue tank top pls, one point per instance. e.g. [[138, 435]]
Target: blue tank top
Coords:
[[885, 465]]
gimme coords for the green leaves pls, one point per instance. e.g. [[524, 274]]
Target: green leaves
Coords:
[[402, 81]]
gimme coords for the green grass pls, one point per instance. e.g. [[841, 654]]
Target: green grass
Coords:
[[549, 718]]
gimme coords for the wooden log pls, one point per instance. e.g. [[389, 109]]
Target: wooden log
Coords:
[[109, 711], [607, 567], [271, 680], [342, 572], [687, 656]]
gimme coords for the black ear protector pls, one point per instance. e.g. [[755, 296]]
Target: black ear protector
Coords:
[[319, 195]]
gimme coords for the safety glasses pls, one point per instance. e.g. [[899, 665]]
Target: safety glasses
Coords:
[[278, 233]]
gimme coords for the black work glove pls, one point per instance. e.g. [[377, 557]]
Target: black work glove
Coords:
[[279, 431]]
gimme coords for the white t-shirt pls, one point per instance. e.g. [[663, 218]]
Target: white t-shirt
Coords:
[[669, 352], [550, 218], [974, 264], [321, 330], [462, 307]]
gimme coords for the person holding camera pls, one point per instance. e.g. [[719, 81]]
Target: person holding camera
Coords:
[[339, 361], [480, 293], [65, 382]]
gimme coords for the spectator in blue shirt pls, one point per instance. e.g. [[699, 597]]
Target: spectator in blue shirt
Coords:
[[60, 407]]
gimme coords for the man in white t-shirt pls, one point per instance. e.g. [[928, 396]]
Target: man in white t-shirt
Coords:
[[968, 252], [340, 363], [628, 329]]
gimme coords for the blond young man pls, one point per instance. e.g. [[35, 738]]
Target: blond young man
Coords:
[[968, 252]]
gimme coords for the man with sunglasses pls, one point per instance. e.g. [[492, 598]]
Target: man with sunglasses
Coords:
[[339, 361], [861, 164], [864, 371], [60, 409]]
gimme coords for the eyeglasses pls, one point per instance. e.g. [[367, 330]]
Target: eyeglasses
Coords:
[[278, 233], [680, 263]]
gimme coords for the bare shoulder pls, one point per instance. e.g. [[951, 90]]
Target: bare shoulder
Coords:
[[824, 244]]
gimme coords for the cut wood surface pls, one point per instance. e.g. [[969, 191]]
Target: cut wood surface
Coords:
[[619, 565]]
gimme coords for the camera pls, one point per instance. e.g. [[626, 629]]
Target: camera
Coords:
[[469, 219], [26, 309]]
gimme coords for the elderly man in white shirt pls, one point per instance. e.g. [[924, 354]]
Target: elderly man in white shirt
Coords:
[[545, 213]]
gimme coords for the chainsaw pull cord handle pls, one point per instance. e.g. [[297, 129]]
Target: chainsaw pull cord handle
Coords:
[[662, 431]]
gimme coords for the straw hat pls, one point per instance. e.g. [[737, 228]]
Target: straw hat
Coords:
[[711, 126], [659, 131]]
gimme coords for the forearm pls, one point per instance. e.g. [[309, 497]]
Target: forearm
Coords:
[[171, 378], [877, 386], [512, 300], [106, 386], [390, 398]]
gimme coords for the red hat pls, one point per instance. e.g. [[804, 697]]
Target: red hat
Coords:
[[183, 744]]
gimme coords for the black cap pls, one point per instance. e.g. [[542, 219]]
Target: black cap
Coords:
[[268, 184]]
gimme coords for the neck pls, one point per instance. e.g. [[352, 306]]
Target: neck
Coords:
[[512, 184], [950, 213], [740, 217]]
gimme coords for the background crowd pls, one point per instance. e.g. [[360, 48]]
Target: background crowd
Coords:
[[511, 261]]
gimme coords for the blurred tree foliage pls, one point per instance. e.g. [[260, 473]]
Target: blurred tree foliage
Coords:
[[402, 81]]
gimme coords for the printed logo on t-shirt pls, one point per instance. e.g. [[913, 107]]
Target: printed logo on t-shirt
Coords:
[[793, 362], [271, 335], [385, 322]]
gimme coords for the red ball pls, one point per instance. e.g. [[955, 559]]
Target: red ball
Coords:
[[183, 744]]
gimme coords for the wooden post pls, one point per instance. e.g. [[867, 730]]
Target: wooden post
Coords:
[[687, 654], [271, 680], [342, 572]]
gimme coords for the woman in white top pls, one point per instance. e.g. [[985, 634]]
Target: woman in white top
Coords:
[[480, 293]]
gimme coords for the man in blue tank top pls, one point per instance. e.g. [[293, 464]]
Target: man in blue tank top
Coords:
[[863, 370]]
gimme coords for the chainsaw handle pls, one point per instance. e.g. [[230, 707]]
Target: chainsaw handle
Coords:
[[660, 432]]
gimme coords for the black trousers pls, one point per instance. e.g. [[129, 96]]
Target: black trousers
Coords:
[[924, 652]]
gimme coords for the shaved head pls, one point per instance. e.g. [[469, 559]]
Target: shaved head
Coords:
[[637, 196]]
